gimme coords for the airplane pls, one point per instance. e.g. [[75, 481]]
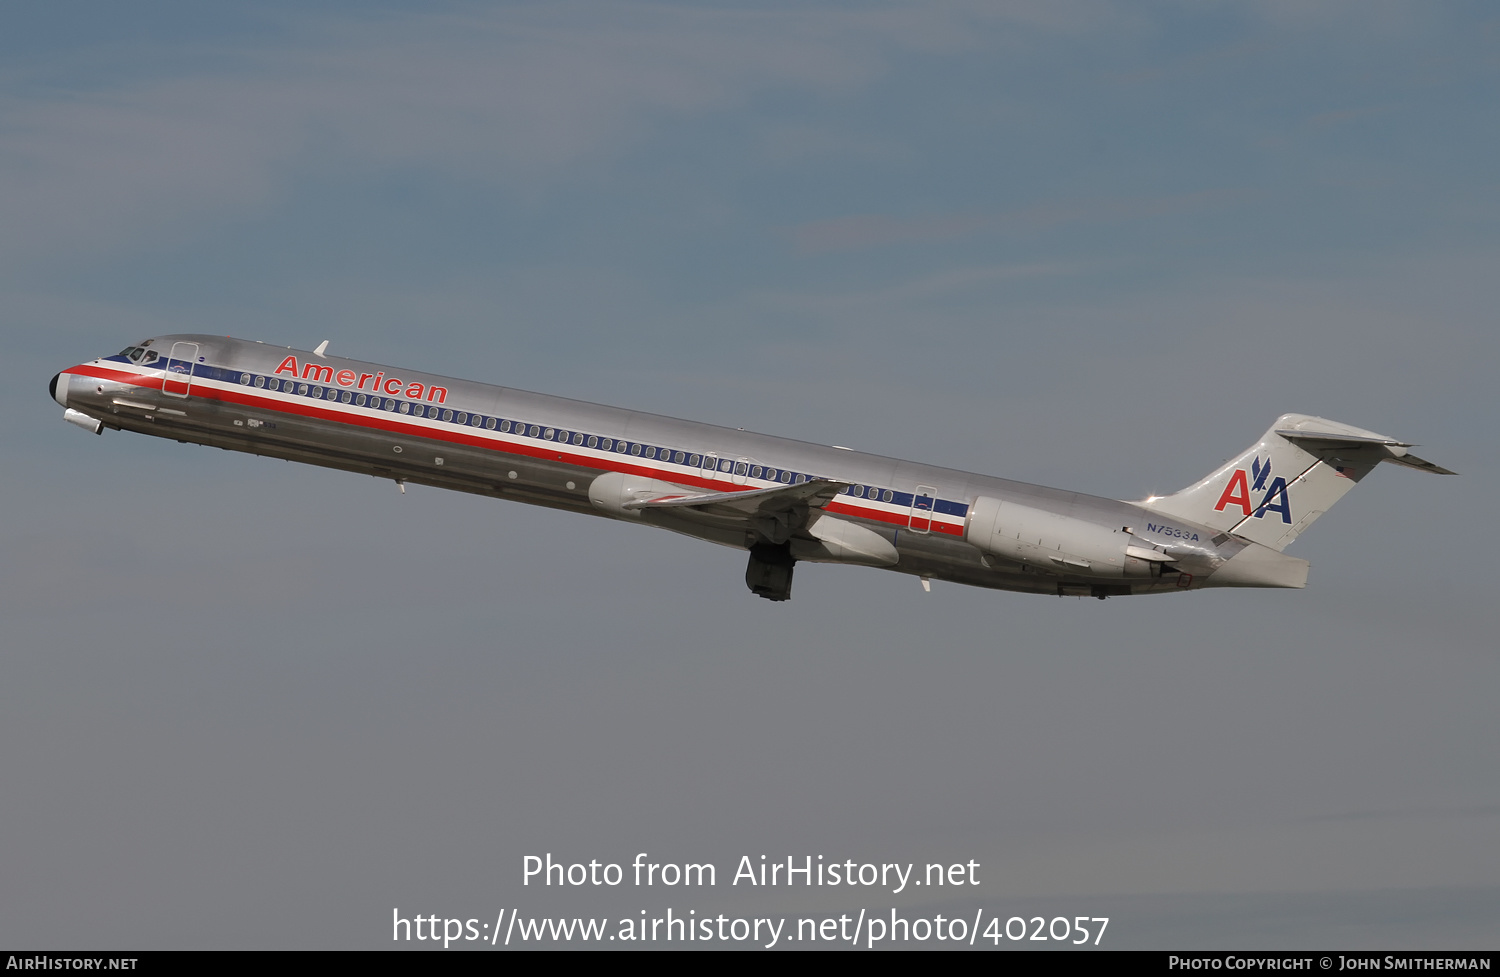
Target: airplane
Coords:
[[785, 501]]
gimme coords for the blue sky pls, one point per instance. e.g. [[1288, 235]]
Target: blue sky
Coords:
[[1092, 244]]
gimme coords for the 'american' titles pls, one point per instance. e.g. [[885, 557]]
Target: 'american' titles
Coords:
[[319, 373]]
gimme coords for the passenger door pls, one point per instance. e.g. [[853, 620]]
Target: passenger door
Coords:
[[922, 502], [177, 374]]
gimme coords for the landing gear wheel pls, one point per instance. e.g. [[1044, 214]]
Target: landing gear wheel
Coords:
[[769, 574]]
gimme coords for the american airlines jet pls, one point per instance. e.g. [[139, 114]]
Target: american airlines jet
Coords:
[[782, 500]]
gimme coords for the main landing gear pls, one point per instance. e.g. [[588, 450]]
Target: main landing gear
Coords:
[[769, 574]]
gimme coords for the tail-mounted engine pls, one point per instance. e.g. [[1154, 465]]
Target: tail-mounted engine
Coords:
[[1056, 543]]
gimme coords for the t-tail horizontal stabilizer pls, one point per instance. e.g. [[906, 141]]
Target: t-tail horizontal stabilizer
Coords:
[[1278, 486]]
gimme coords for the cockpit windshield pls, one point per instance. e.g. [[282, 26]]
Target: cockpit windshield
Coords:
[[137, 354]]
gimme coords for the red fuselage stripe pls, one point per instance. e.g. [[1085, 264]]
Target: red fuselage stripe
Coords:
[[616, 464]]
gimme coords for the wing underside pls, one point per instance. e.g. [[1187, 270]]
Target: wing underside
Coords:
[[751, 503]]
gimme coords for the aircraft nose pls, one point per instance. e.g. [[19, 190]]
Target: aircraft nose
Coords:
[[52, 389]]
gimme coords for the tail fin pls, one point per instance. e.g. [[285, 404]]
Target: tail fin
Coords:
[[1272, 492]]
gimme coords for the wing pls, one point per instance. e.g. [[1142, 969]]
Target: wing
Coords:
[[771, 515], [814, 493]]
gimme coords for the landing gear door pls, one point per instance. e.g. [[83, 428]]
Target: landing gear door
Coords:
[[177, 375], [922, 501]]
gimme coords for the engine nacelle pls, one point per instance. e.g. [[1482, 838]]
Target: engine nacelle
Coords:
[[1061, 544], [610, 491]]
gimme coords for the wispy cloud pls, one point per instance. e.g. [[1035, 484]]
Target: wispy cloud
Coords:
[[935, 286], [1325, 120], [513, 95], [1200, 61], [874, 230]]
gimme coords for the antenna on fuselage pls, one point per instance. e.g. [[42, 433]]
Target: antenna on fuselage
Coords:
[[322, 348]]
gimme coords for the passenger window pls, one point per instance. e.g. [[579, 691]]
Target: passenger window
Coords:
[[888, 496], [490, 423], [755, 472], [534, 431], [725, 465], [695, 460], [260, 381], [549, 433], [244, 378], [650, 451], [741, 468], [801, 479], [577, 438], [404, 407], [593, 441], [635, 449], [447, 415], [463, 417], [786, 476]]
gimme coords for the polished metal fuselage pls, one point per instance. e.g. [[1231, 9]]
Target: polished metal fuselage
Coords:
[[227, 401]]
